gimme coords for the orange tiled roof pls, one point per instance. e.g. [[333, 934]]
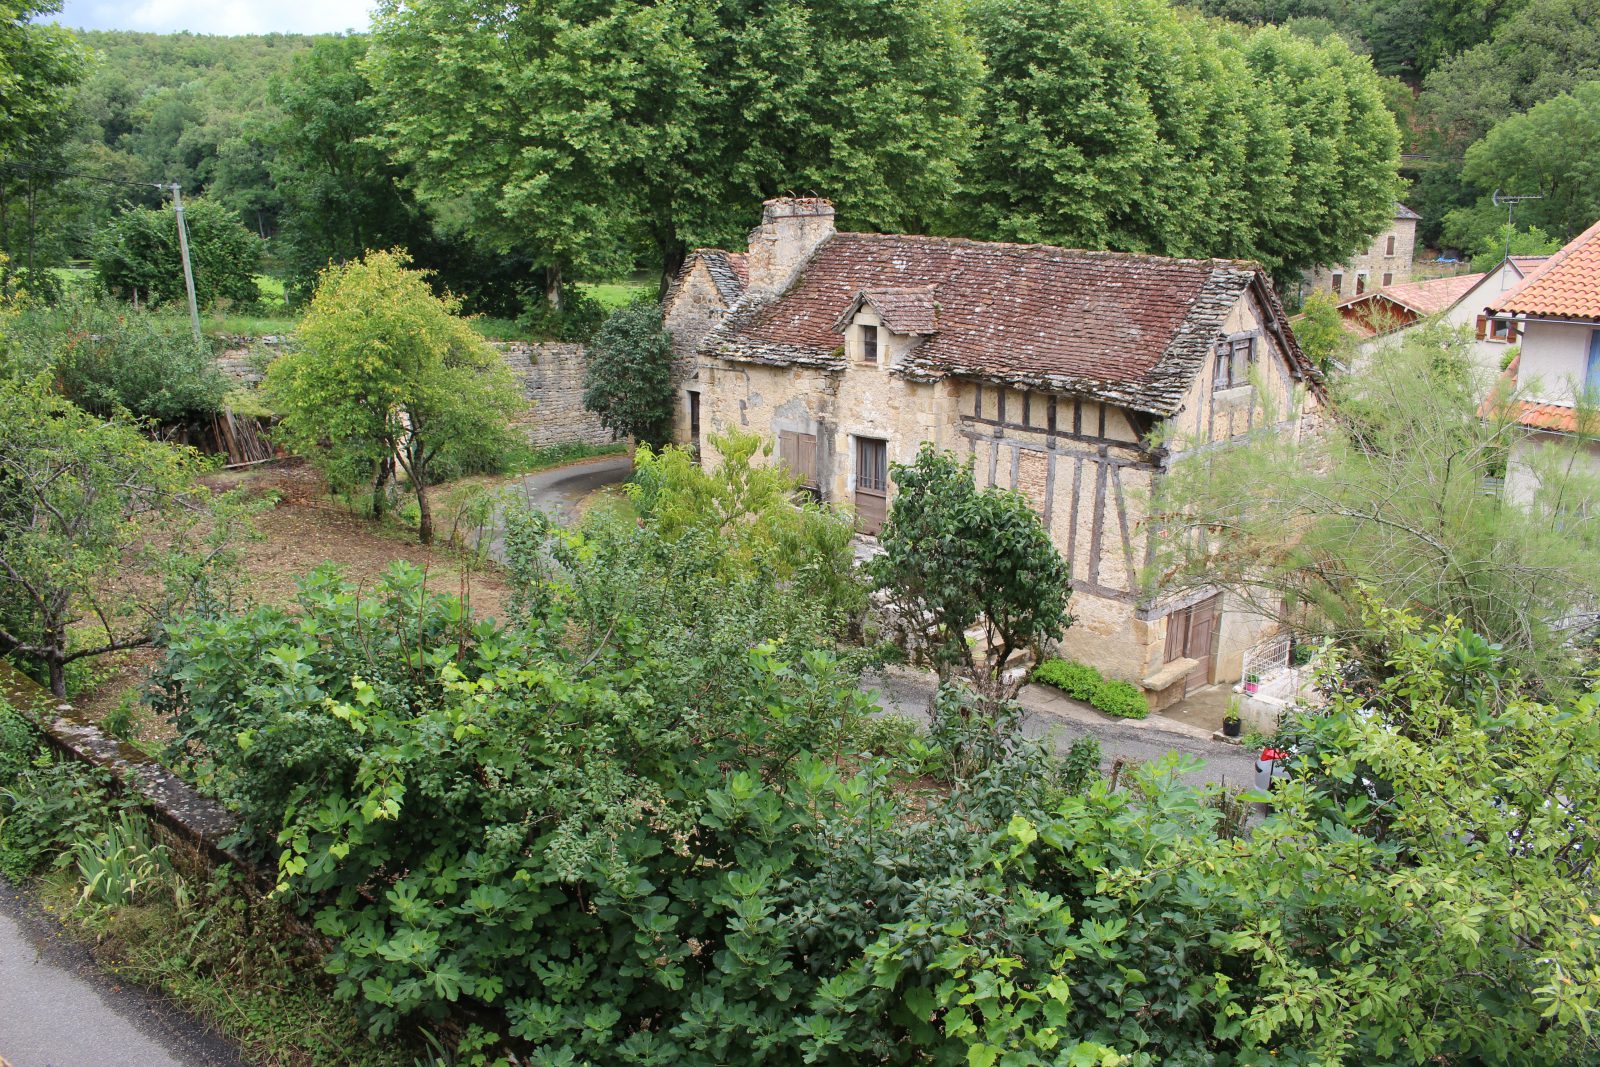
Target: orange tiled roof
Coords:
[[1567, 286], [1557, 418]]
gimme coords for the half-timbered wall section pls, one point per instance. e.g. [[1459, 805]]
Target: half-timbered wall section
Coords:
[[1074, 378]]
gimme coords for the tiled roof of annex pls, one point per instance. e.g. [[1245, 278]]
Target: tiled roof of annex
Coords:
[[1565, 286], [1130, 329]]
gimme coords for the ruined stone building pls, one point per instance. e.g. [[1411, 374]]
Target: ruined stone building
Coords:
[[1057, 371]]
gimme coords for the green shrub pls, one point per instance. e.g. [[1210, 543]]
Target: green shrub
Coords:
[[1124, 700], [1082, 682], [1078, 680]]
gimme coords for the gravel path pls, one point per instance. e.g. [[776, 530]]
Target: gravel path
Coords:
[[57, 1009], [558, 492]]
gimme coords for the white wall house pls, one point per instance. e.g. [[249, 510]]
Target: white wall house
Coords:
[[1555, 313]]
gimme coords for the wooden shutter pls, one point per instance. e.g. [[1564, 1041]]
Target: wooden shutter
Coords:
[[1512, 333], [1483, 326]]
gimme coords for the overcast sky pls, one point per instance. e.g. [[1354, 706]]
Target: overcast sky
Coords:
[[217, 16]]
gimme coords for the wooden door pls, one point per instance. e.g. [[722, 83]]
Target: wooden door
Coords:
[[799, 453], [1198, 642], [1190, 635], [872, 483]]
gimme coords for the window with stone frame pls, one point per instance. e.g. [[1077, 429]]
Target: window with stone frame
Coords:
[[1338, 283], [869, 344], [1234, 356]]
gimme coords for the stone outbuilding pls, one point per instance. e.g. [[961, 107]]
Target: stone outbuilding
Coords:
[[1388, 260], [1076, 378]]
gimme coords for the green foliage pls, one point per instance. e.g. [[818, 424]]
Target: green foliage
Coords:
[[39, 65], [45, 803], [137, 256], [956, 557], [752, 509], [1125, 126], [1122, 700], [104, 533], [1490, 248], [1320, 330], [678, 113], [1545, 151], [628, 383], [121, 865], [106, 358], [387, 373], [1442, 547]]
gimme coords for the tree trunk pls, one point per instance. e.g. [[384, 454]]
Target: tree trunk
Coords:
[[552, 287], [673, 253], [424, 512], [58, 678], [380, 487]]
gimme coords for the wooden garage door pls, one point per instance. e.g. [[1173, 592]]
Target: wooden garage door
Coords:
[[1190, 635]]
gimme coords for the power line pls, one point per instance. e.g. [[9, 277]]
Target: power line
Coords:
[[37, 169]]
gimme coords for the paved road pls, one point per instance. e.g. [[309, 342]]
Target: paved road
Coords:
[[558, 492], [907, 692], [57, 1009]]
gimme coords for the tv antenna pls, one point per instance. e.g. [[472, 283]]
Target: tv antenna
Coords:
[[1511, 203]]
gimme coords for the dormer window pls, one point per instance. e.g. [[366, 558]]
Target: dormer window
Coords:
[[869, 345]]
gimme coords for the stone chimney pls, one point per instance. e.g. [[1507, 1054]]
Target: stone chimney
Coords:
[[791, 229]]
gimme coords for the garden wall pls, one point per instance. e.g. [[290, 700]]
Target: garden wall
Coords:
[[551, 374]]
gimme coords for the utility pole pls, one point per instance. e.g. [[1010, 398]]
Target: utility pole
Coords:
[[188, 271]]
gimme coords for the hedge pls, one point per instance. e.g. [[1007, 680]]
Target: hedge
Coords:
[[1082, 682]]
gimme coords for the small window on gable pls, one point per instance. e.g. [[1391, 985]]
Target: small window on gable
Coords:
[[1338, 283], [1233, 360], [869, 345]]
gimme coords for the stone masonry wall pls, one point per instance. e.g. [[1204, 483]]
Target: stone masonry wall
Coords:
[[551, 376]]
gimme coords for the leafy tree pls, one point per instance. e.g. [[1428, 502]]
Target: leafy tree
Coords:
[[387, 373], [957, 557], [678, 117], [1124, 126], [1390, 502], [104, 533], [105, 358], [39, 66], [1320, 330], [1491, 248], [1547, 150], [628, 383], [138, 257], [750, 509]]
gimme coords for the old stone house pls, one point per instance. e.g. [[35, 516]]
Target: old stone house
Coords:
[[1389, 259], [1077, 378]]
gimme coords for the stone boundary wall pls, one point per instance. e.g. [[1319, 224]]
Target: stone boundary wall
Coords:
[[551, 375]]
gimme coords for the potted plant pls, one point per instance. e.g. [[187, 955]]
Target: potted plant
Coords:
[[1252, 682], [1230, 721]]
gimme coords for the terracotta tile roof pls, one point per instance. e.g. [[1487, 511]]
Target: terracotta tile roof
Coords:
[[909, 311], [1566, 286], [1556, 418], [1423, 298], [1528, 264], [1130, 329], [1403, 212]]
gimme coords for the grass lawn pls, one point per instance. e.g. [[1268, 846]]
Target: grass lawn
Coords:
[[616, 294]]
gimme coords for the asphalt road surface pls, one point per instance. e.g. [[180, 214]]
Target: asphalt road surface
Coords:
[[57, 1009], [558, 492]]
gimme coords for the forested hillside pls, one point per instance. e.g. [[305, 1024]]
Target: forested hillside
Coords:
[[1262, 131]]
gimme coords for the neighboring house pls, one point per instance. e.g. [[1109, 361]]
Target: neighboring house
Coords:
[[1556, 312], [1076, 378], [1380, 318], [1386, 262]]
